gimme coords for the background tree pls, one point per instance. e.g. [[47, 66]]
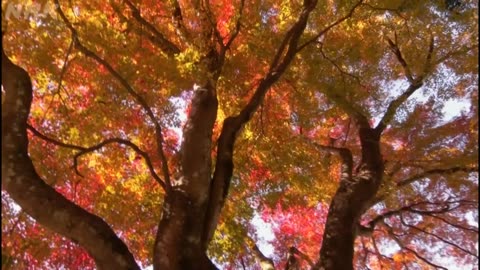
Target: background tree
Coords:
[[123, 121]]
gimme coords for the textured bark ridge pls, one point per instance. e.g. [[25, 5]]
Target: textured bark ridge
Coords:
[[178, 243], [38, 199]]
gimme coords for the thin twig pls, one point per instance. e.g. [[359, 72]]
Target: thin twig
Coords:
[[436, 236], [121, 142], [395, 237], [326, 29]]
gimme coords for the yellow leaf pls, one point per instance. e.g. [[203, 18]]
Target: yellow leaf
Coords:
[[110, 189], [74, 133], [92, 162]]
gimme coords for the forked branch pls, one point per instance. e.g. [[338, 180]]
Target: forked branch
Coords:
[[212, 21], [452, 53], [233, 124], [458, 226], [235, 32], [143, 154], [397, 239], [394, 105], [415, 83], [330, 26], [419, 208], [178, 23], [434, 235], [396, 50], [345, 155]]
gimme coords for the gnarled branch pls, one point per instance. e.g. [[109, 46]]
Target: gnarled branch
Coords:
[[53, 141], [85, 150]]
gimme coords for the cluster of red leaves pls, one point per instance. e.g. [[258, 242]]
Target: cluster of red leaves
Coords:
[[28, 245], [224, 17], [301, 227], [258, 173]]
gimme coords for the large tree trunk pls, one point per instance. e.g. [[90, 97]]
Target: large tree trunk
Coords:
[[350, 202], [179, 243]]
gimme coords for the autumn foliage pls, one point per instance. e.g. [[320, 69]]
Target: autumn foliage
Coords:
[[238, 134]]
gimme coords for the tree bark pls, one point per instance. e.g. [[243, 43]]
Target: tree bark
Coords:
[[179, 242], [349, 203]]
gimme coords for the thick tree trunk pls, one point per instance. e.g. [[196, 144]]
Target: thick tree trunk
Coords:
[[349, 203], [179, 243], [345, 210]]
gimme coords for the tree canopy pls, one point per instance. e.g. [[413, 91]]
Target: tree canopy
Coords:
[[140, 133]]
